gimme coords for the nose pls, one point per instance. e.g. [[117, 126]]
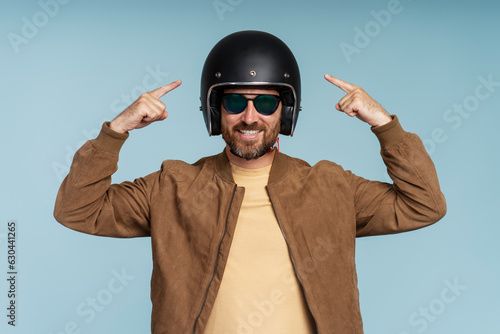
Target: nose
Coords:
[[250, 114]]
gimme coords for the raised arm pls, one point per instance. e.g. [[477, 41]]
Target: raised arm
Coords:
[[87, 201], [414, 200]]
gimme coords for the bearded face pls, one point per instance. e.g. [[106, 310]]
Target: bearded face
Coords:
[[239, 144], [250, 135]]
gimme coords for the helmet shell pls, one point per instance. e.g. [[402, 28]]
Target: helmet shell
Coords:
[[250, 58]]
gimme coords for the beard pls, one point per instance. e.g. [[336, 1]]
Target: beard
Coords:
[[253, 149]]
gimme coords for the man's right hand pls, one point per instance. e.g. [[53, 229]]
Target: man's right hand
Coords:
[[144, 111]]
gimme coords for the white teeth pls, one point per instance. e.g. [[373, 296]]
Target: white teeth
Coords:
[[249, 132]]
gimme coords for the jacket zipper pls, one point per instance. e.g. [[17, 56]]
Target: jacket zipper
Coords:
[[216, 261], [291, 258]]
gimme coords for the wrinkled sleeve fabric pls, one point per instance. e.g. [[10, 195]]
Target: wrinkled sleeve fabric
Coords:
[[89, 203], [413, 201]]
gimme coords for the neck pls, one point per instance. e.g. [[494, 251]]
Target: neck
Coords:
[[263, 161]]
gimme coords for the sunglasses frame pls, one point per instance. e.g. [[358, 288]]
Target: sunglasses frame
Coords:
[[276, 97]]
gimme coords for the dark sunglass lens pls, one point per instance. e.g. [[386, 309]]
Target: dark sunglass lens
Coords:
[[234, 103], [266, 104]]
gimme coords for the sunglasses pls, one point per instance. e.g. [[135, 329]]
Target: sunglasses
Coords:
[[264, 104]]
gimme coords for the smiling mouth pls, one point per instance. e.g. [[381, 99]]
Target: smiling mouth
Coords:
[[249, 132]]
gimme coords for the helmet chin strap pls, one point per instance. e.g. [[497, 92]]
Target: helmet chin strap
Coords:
[[276, 145]]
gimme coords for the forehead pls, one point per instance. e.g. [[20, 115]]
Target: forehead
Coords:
[[250, 91]]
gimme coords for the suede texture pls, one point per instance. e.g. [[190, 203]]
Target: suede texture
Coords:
[[190, 212]]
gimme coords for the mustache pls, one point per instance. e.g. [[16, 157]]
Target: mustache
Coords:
[[244, 126]]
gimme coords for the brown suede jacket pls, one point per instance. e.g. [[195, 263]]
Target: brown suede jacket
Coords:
[[190, 212]]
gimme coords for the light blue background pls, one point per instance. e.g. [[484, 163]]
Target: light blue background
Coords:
[[87, 56]]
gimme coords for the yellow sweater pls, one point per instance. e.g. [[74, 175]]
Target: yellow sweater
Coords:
[[259, 292]]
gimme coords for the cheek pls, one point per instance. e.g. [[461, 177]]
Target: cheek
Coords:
[[275, 121], [224, 122], [229, 119]]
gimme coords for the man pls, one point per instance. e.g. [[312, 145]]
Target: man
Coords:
[[252, 240]]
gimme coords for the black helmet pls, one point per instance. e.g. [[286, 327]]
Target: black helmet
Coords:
[[250, 58]]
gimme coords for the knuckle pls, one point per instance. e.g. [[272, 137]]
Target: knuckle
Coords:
[[141, 104], [358, 90], [145, 96]]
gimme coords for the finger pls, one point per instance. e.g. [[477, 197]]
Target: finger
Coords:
[[344, 101], [148, 106], [344, 85], [159, 92], [349, 105], [352, 107], [157, 105], [350, 111], [163, 116], [153, 117]]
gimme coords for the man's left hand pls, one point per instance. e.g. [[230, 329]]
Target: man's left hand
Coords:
[[358, 103]]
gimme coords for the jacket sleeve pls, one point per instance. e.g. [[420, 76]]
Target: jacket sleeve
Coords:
[[414, 200], [87, 202]]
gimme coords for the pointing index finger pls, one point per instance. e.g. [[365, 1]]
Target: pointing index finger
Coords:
[[344, 85], [159, 92]]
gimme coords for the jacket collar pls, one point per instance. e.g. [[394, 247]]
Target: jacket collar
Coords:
[[278, 169]]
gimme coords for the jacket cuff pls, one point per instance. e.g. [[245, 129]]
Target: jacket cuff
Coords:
[[390, 134], [109, 140]]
